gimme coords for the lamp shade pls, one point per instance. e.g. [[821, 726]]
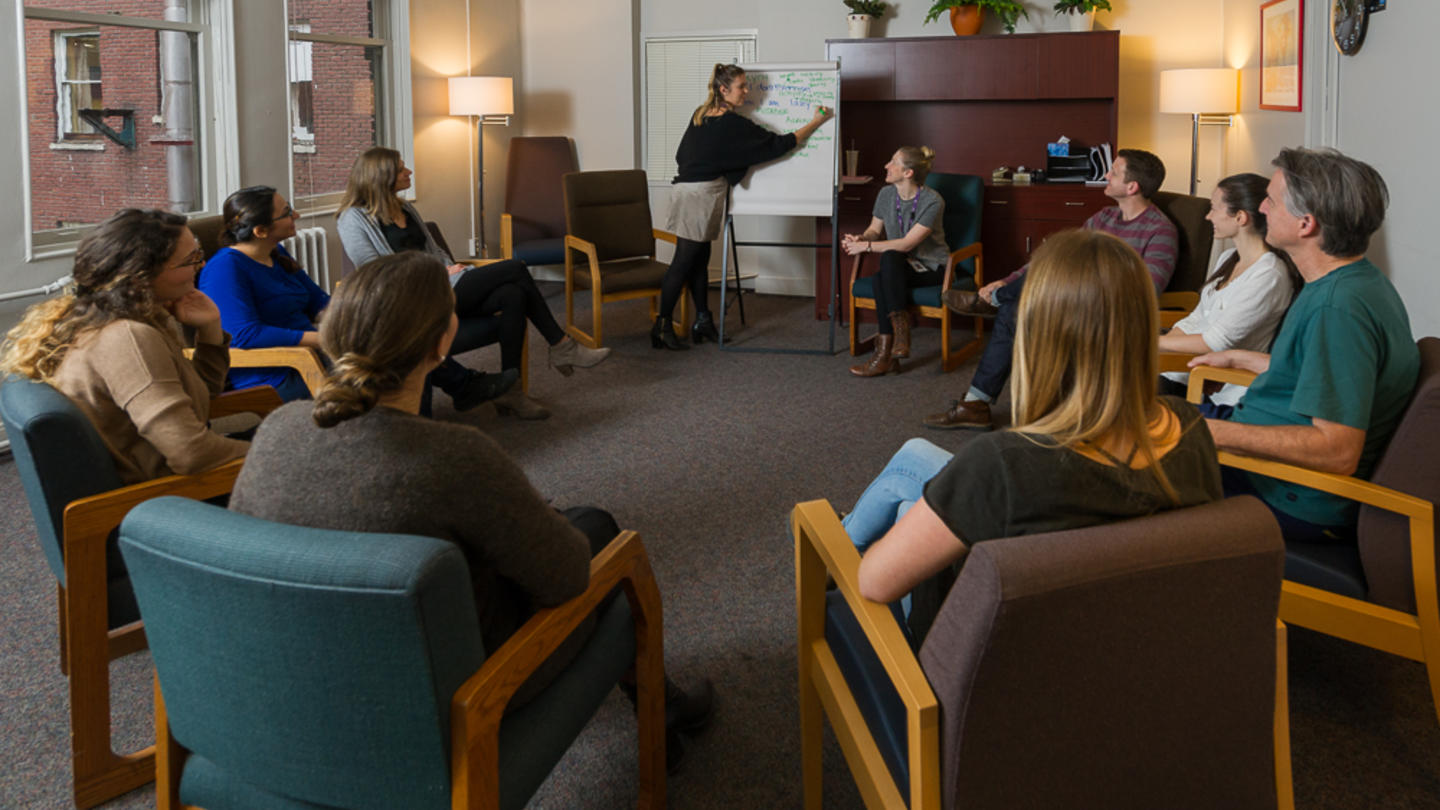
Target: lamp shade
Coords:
[[482, 95], [1193, 90]]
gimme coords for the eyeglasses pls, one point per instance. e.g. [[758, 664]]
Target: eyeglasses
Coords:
[[195, 260], [287, 213]]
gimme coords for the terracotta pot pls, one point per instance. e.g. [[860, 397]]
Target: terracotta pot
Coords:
[[966, 19]]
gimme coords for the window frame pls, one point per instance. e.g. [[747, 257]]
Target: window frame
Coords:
[[65, 137], [216, 120], [394, 125]]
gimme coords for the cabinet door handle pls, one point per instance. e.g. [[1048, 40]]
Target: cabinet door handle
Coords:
[[851, 199], [1067, 202], [1027, 246], [999, 202]]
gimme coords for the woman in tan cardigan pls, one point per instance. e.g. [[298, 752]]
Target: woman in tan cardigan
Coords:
[[113, 346]]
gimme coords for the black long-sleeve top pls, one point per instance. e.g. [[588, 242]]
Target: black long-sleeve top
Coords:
[[726, 146]]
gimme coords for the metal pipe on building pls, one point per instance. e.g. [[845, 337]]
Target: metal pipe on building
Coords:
[[177, 100]]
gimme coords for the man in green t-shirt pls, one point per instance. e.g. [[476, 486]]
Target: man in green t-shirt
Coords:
[[1331, 392]]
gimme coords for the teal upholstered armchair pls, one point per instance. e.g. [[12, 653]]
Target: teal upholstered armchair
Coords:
[[77, 500], [963, 195], [303, 667]]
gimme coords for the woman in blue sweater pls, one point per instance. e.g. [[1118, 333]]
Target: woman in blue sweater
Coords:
[[264, 296]]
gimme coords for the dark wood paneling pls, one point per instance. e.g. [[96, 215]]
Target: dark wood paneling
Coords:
[[867, 69], [1089, 63], [983, 69]]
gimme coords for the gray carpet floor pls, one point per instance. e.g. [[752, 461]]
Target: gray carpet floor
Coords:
[[704, 453]]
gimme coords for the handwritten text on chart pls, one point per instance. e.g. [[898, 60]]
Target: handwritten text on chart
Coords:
[[784, 101]]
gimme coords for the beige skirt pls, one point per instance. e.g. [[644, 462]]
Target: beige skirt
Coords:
[[697, 210]]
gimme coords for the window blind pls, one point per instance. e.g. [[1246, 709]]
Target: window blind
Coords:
[[677, 69]]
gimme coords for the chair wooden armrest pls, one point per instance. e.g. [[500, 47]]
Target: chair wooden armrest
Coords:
[[303, 359], [1176, 361], [663, 236], [1186, 301], [822, 546], [507, 236], [1203, 374], [586, 247], [477, 262], [478, 705], [261, 400], [975, 251]]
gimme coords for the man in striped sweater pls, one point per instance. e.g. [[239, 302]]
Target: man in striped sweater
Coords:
[[1133, 179]]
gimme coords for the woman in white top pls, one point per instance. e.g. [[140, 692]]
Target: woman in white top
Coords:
[[1244, 300]]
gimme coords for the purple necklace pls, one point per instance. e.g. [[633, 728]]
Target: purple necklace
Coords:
[[899, 213]]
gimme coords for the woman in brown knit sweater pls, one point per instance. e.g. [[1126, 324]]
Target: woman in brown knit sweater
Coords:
[[113, 346]]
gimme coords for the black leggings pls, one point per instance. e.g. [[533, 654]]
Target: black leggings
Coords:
[[506, 291], [690, 268], [893, 284]]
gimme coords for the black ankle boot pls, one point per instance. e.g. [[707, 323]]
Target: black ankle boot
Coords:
[[687, 712], [704, 329], [662, 335]]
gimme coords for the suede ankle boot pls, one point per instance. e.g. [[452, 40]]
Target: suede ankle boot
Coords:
[[900, 322], [882, 362]]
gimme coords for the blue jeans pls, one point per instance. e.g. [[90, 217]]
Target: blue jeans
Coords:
[[894, 491]]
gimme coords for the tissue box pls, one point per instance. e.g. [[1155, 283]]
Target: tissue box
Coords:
[[1057, 149]]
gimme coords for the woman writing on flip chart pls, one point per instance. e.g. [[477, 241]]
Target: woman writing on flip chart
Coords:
[[718, 147]]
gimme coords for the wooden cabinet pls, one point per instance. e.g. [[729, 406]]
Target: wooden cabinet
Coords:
[[1016, 219], [979, 102], [857, 203]]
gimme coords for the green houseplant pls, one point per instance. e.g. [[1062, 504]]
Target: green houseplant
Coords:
[[1082, 12], [1009, 11]]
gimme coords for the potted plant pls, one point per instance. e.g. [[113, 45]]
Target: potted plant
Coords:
[[861, 13], [966, 15], [1082, 12]]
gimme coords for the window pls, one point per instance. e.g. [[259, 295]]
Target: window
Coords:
[[77, 82], [123, 109], [677, 68], [349, 72]]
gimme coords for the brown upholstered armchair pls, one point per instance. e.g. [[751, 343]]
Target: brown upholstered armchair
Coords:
[[1382, 592], [532, 229], [1137, 664], [607, 226]]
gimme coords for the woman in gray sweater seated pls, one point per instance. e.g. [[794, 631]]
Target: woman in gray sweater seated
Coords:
[[360, 458], [374, 221]]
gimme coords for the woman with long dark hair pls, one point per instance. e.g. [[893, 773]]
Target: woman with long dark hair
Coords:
[[114, 346], [265, 298], [1244, 300], [375, 221], [1091, 442], [718, 147]]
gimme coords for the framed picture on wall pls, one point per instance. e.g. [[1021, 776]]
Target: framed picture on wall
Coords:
[[1282, 62]]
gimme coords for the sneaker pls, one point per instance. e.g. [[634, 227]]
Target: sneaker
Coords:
[[968, 303], [481, 387], [969, 414]]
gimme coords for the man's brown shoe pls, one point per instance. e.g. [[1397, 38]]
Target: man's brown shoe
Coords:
[[972, 415], [968, 303]]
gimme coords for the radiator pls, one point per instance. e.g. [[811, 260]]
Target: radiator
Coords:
[[308, 248]]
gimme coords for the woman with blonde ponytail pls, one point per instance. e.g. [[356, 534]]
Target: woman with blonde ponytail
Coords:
[[907, 229], [361, 458], [1091, 442], [114, 346], [718, 148]]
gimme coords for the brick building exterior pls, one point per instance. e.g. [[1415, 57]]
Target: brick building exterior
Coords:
[[83, 177]]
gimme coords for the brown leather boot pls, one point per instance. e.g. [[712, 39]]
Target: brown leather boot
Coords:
[[900, 322], [881, 362]]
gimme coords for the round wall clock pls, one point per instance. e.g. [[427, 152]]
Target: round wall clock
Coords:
[[1347, 23]]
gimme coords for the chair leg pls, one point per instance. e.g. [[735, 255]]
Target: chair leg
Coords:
[[597, 308], [810, 617], [1284, 787], [99, 773], [525, 362], [60, 610], [169, 758]]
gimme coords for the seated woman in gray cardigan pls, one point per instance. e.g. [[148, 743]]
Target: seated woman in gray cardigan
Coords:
[[374, 221], [360, 458]]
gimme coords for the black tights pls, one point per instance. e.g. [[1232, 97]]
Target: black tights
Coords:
[[506, 290], [690, 267], [893, 284]]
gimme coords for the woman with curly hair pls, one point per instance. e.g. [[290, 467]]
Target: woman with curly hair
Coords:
[[114, 346]]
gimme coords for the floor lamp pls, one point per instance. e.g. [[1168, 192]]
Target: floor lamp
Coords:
[[491, 99], [1209, 95]]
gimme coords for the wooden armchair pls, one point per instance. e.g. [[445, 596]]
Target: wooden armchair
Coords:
[[1103, 667], [964, 269], [532, 228], [78, 501], [607, 223], [1381, 594], [232, 608]]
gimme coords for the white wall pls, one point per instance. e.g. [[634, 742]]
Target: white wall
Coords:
[[1376, 111]]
